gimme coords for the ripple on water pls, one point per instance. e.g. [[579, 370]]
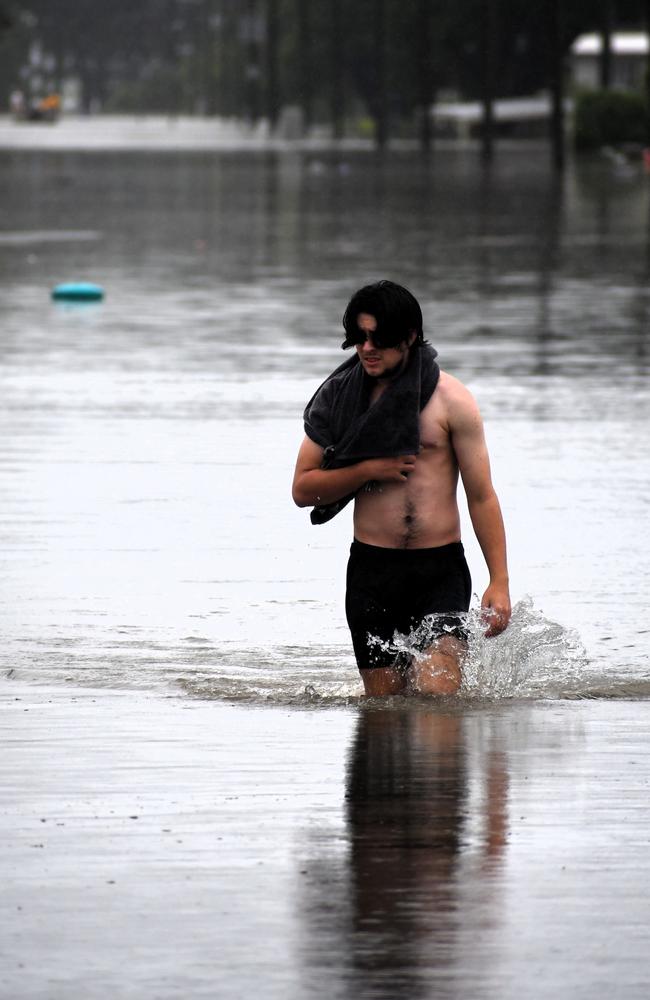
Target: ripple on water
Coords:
[[535, 659]]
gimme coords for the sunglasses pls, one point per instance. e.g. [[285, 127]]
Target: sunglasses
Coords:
[[379, 340]]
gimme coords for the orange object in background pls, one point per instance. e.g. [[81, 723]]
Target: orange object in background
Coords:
[[49, 107], [50, 103], [43, 109]]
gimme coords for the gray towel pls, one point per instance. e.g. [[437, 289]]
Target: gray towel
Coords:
[[340, 419]]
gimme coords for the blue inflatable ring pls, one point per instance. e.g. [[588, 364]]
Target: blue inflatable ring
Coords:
[[79, 291]]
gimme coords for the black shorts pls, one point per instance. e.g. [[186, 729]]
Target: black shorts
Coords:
[[394, 590]]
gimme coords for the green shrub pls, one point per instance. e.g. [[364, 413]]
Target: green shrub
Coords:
[[609, 118]]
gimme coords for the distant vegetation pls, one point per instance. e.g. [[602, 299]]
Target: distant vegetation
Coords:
[[339, 62], [609, 118]]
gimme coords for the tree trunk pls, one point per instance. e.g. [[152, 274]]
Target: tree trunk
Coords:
[[203, 57], [426, 82], [7, 19], [606, 26], [305, 57], [558, 144], [337, 63], [647, 73], [252, 55], [381, 109], [272, 76], [490, 36]]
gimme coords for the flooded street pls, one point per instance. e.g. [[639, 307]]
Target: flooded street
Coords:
[[149, 440], [169, 849], [196, 802]]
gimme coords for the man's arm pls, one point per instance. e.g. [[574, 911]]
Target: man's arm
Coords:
[[468, 441], [313, 486]]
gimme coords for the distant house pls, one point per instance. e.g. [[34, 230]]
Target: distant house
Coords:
[[514, 117], [629, 60]]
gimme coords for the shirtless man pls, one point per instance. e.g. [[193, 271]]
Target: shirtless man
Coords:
[[407, 560]]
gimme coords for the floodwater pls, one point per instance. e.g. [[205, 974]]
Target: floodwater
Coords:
[[152, 850], [154, 566], [148, 442]]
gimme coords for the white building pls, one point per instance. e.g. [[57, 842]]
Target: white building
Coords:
[[629, 60]]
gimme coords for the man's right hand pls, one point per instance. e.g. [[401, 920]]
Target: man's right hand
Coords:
[[391, 470], [313, 485]]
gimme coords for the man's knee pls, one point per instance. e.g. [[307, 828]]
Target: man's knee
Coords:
[[438, 671], [436, 679]]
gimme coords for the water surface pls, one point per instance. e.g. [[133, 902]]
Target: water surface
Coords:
[[148, 442], [225, 816]]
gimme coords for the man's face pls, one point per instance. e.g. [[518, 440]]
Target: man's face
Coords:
[[379, 362]]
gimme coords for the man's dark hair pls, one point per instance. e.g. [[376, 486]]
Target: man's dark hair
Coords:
[[396, 310]]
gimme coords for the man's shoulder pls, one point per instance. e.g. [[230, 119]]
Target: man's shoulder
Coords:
[[452, 403], [452, 392]]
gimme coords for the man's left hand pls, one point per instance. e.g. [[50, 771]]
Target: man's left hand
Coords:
[[496, 609]]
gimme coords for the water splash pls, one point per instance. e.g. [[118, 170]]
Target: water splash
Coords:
[[534, 657]]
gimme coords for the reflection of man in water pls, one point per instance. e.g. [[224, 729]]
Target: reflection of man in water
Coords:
[[411, 819], [393, 431]]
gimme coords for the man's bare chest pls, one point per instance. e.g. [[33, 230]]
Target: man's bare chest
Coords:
[[435, 438]]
